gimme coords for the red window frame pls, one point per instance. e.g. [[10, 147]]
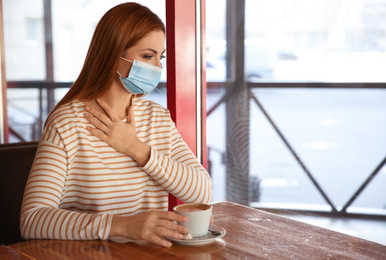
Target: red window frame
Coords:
[[182, 94]]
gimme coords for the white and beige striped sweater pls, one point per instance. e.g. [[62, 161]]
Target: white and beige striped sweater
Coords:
[[77, 181]]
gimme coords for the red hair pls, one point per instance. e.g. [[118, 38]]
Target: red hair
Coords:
[[118, 30]]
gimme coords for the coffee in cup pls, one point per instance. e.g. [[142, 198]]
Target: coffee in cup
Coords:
[[198, 215]]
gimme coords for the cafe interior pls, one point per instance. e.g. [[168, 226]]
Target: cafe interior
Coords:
[[283, 102]]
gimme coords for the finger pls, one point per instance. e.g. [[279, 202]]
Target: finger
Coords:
[[95, 122], [173, 227], [165, 232], [130, 116], [98, 115], [157, 240], [97, 133], [169, 218], [108, 110], [173, 216]]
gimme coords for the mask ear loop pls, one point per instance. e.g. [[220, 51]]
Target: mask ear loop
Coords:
[[120, 74], [126, 59]]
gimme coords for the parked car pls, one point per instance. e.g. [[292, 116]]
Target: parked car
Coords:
[[259, 60]]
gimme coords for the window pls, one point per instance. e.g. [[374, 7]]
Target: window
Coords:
[[302, 126], [33, 29]]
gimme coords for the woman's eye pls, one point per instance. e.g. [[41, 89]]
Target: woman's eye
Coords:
[[163, 57], [148, 56]]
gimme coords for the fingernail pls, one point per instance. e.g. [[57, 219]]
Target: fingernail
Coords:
[[87, 108], [86, 115], [99, 100]]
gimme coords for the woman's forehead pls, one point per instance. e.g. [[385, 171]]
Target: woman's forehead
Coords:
[[154, 40]]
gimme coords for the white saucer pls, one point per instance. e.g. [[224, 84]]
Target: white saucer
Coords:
[[208, 238]]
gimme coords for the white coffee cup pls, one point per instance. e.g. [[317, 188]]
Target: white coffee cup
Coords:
[[198, 215]]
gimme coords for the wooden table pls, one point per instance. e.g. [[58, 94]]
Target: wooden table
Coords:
[[250, 234]]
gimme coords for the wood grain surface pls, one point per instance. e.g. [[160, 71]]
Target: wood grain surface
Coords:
[[250, 234]]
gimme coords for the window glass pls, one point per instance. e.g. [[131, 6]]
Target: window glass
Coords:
[[215, 40], [336, 133], [34, 29], [24, 40], [320, 40], [282, 143]]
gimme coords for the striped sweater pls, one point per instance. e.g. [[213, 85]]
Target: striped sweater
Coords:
[[77, 182]]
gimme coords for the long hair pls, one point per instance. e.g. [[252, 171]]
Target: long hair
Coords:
[[118, 30]]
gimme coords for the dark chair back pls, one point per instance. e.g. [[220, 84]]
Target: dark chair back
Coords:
[[15, 164]]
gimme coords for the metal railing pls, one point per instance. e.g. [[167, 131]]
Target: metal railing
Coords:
[[334, 210], [251, 85]]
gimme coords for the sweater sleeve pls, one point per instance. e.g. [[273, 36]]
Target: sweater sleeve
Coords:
[[41, 216], [180, 174]]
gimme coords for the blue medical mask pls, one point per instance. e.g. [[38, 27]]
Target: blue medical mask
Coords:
[[143, 78]]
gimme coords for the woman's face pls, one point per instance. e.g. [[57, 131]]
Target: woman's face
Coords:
[[150, 49]]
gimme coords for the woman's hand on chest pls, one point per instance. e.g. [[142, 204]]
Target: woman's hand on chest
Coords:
[[116, 133]]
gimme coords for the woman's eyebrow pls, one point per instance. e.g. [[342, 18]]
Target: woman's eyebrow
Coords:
[[152, 50]]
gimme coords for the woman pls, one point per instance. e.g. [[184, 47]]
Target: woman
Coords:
[[108, 158]]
